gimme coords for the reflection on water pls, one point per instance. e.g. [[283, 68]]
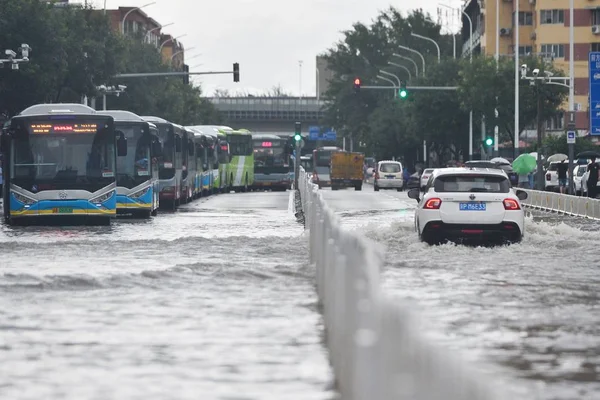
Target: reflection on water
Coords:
[[532, 309], [203, 303]]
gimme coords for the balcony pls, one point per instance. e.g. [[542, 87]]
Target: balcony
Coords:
[[471, 43]]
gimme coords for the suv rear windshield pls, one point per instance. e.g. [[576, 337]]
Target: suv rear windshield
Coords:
[[390, 167], [472, 183]]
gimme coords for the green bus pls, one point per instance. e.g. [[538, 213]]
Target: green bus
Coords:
[[240, 169]]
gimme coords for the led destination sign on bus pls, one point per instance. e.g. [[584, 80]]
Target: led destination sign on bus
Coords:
[[63, 128]]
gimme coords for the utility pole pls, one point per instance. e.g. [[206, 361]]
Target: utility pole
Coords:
[[540, 127], [298, 143], [571, 137]]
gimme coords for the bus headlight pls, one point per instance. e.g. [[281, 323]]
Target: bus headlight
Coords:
[[24, 199], [102, 198], [140, 193]]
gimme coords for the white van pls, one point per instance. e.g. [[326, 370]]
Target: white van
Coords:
[[388, 175]]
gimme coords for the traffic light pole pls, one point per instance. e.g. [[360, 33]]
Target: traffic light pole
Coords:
[[298, 132], [412, 87], [148, 74]]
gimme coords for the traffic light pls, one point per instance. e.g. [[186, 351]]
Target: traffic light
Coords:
[[357, 85], [298, 132], [186, 78], [489, 141], [236, 72], [403, 93]]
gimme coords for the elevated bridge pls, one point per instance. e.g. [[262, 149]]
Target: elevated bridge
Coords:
[[269, 114]]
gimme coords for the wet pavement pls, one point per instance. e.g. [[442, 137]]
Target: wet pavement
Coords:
[[529, 313], [215, 301]]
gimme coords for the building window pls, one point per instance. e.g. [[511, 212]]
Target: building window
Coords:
[[555, 123], [596, 17], [553, 50], [552, 17], [525, 18], [595, 47]]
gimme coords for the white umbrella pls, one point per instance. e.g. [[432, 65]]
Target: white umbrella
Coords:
[[500, 160], [558, 157]]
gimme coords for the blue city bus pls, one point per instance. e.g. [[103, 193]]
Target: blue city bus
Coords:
[[170, 163], [188, 174], [271, 162], [204, 151], [216, 156], [137, 171], [59, 165]]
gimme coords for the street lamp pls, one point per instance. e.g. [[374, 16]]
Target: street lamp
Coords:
[[170, 39], [181, 51], [129, 12], [409, 59], [390, 74], [403, 67], [157, 28], [383, 78], [416, 52], [431, 40]]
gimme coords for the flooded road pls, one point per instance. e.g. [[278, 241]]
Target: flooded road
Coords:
[[531, 312], [215, 301]]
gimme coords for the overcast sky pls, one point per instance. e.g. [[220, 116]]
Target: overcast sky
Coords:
[[267, 37]]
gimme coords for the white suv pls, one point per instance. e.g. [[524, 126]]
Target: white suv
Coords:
[[469, 204], [388, 175]]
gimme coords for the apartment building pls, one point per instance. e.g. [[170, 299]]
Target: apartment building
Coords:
[[543, 31], [134, 21]]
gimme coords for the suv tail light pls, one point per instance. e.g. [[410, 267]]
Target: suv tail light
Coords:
[[425, 177], [511, 204], [433, 204], [548, 176]]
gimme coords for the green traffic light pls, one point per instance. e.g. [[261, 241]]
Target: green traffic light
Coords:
[[403, 93], [489, 141], [297, 137]]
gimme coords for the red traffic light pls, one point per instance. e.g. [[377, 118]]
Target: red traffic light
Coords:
[[357, 82]]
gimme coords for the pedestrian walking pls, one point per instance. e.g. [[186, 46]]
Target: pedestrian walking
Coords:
[[562, 169]]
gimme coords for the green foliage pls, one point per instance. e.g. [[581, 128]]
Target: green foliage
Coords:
[[481, 82], [74, 50], [558, 144], [392, 126]]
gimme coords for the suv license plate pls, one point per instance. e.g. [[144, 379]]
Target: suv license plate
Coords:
[[472, 206]]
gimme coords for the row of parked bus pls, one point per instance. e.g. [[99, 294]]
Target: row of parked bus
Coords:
[[71, 161]]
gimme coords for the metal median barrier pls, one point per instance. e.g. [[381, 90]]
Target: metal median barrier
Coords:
[[376, 348], [562, 203]]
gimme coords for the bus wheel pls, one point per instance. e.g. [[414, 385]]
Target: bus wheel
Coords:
[[154, 212]]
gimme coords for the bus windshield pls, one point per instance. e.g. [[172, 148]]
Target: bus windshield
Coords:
[[63, 153], [240, 145], [134, 168], [270, 156]]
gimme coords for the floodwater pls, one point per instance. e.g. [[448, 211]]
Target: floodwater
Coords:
[[531, 311], [215, 301]]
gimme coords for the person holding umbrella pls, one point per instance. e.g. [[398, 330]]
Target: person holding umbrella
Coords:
[[592, 181], [592, 171]]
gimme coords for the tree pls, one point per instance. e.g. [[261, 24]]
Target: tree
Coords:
[[480, 83], [75, 51], [221, 93], [372, 114]]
